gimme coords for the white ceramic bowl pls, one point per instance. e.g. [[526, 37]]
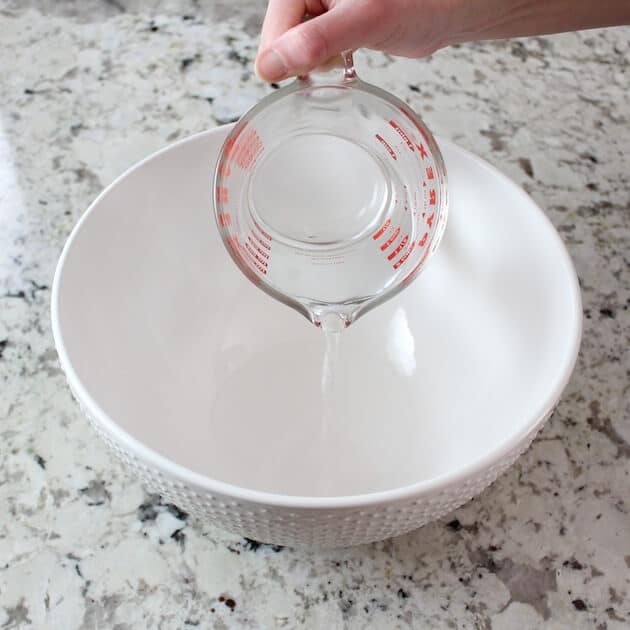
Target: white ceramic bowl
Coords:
[[209, 390]]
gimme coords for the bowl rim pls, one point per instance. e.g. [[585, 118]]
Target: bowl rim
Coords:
[[433, 486]]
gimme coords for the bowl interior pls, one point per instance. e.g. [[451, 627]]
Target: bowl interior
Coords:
[[185, 355]]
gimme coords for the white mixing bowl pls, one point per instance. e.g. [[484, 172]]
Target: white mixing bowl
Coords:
[[210, 391]]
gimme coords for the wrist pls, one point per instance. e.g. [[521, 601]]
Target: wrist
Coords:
[[474, 20]]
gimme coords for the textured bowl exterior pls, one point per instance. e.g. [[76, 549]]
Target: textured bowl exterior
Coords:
[[308, 527]]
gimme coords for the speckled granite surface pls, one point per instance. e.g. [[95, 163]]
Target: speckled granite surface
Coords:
[[87, 88]]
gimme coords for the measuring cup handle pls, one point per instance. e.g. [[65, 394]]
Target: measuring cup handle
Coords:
[[348, 65], [349, 72]]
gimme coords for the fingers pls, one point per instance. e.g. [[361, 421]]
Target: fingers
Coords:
[[305, 46], [280, 17], [285, 14]]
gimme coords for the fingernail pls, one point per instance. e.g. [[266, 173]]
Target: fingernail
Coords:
[[271, 66]]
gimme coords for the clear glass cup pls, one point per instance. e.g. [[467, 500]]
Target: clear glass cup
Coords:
[[330, 195]]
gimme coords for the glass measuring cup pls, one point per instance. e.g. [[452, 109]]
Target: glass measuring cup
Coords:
[[330, 195]]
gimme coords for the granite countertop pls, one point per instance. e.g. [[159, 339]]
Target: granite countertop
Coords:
[[89, 87]]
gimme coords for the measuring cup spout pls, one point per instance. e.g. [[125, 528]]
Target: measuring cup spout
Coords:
[[334, 322]]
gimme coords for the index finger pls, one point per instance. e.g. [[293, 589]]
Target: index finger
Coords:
[[282, 15]]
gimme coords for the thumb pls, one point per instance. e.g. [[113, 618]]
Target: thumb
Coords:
[[310, 44]]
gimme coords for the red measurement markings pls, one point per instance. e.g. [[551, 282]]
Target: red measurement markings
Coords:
[[258, 258], [261, 241], [255, 256], [386, 145], [222, 194], [382, 230], [267, 236], [247, 149], [229, 148], [402, 134], [430, 174], [240, 252], [249, 258], [430, 219], [254, 244], [423, 240], [432, 197], [390, 240], [225, 219], [406, 255], [423, 151], [399, 247], [224, 169], [259, 267]]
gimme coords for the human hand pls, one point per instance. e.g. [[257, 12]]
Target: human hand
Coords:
[[289, 45], [411, 28]]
